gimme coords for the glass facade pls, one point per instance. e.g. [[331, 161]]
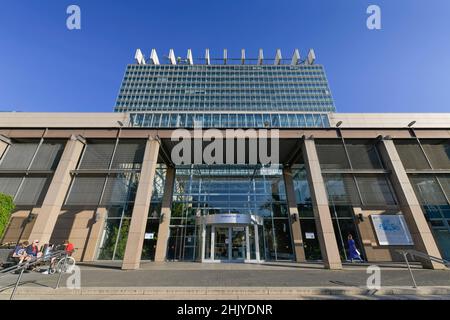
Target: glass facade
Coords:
[[27, 168], [237, 190], [229, 120], [427, 162], [224, 87], [310, 237], [355, 177]]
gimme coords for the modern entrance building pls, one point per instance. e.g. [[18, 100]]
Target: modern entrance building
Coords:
[[113, 183]]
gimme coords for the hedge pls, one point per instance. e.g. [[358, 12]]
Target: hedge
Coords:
[[6, 208]]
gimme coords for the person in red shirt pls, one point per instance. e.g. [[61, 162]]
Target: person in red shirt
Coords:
[[69, 248]]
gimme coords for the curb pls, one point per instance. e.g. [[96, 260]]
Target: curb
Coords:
[[232, 291]]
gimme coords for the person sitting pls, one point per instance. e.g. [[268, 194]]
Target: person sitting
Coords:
[[33, 250], [20, 255]]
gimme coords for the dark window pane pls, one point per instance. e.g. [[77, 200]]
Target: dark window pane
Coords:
[[445, 182], [341, 212], [332, 154], [438, 151], [341, 189], [301, 185], [48, 155], [86, 191], [310, 243], [411, 155], [120, 189], [98, 154], [19, 155], [428, 190], [363, 154], [283, 239], [9, 185], [375, 190], [33, 191], [129, 154]]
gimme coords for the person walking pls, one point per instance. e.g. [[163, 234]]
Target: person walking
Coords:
[[353, 251]]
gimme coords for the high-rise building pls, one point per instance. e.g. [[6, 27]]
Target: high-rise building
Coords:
[[225, 93], [111, 184]]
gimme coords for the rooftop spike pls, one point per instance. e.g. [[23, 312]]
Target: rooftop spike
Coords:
[[311, 57], [225, 56], [140, 59], [243, 56], [190, 59], [154, 57], [278, 57], [295, 58], [172, 59], [207, 58], [260, 57]]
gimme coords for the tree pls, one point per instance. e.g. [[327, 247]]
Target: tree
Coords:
[[6, 208]]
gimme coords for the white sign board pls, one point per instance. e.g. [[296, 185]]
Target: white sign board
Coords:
[[310, 235], [392, 230], [149, 236]]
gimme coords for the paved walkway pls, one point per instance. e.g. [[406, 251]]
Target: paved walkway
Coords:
[[180, 280]]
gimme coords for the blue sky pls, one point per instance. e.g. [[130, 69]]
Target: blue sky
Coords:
[[405, 67]]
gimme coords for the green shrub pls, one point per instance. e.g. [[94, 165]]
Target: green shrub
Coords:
[[6, 208]]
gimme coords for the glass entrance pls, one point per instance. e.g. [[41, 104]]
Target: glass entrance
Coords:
[[232, 243], [238, 243], [221, 243]]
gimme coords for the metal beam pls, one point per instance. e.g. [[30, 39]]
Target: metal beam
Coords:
[[140, 59], [172, 59], [207, 57], [278, 57], [190, 59], [260, 57], [295, 58], [154, 57], [311, 57]]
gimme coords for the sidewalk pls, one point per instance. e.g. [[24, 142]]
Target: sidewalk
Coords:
[[232, 281]]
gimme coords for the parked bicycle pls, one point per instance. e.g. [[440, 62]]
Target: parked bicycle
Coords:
[[64, 264]]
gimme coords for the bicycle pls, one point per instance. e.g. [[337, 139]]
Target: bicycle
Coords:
[[63, 265]]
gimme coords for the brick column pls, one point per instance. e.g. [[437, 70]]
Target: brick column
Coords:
[[322, 216], [409, 204], [136, 234], [166, 210], [294, 216], [54, 199], [96, 227]]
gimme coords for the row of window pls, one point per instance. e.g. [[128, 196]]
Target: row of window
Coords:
[[222, 99], [226, 86], [318, 106], [242, 91], [180, 120]]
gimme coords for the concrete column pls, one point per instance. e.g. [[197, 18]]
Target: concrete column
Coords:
[[136, 234], [294, 216], [166, 210], [4, 143], [53, 201], [409, 204], [324, 225], [96, 227]]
